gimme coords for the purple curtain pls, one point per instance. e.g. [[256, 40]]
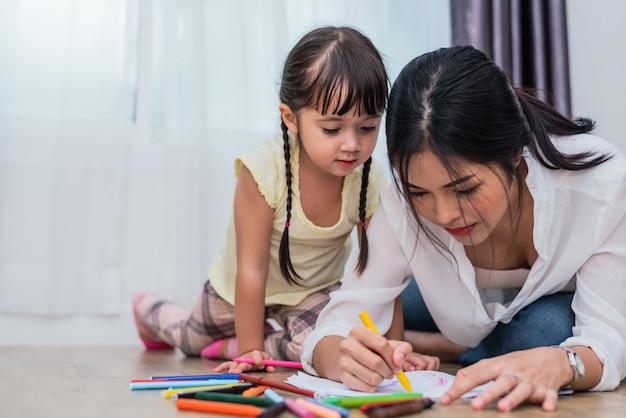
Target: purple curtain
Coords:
[[527, 38]]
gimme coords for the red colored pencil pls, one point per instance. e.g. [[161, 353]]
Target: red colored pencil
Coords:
[[275, 384]]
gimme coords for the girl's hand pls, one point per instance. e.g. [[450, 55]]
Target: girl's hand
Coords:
[[415, 361], [534, 375], [366, 358], [235, 367]]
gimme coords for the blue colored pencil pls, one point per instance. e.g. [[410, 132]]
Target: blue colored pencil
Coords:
[[270, 393], [173, 384], [198, 376]]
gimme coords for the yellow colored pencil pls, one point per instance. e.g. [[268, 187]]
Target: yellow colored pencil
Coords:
[[367, 321]]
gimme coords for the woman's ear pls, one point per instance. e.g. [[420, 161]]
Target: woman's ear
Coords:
[[288, 117]]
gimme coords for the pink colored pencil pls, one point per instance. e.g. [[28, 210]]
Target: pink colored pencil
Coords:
[[276, 363]]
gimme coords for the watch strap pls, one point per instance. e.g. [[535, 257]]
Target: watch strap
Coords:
[[574, 361]]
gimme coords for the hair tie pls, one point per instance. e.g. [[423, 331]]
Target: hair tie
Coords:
[[287, 224], [363, 224]]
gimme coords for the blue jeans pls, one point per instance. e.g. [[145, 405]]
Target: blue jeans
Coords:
[[547, 321]]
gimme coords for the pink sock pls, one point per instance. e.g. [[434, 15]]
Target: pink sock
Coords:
[[223, 349], [150, 340]]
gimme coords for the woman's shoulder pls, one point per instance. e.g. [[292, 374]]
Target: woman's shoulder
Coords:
[[606, 172], [396, 210], [602, 186]]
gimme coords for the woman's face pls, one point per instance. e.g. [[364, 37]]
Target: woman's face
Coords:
[[469, 207]]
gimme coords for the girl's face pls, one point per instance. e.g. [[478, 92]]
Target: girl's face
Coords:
[[469, 207], [334, 144]]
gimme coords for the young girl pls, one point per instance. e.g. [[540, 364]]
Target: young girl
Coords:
[[512, 218], [297, 200]]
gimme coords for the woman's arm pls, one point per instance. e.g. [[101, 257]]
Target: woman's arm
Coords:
[[340, 348], [598, 337]]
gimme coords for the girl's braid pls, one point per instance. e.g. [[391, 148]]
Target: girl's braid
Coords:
[[284, 258], [363, 251]]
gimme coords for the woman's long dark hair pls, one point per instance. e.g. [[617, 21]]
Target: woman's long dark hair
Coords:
[[325, 63], [458, 104]]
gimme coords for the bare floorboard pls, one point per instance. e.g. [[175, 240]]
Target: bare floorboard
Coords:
[[93, 382]]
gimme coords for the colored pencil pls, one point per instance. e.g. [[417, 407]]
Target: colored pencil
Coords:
[[268, 362], [276, 385], [364, 408], [395, 410], [229, 388], [232, 398], [270, 393], [254, 391], [198, 376], [173, 384], [320, 411], [367, 321], [357, 401], [298, 409], [218, 407], [274, 410], [342, 411]]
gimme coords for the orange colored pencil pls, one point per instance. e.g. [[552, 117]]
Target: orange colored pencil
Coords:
[[254, 391], [218, 407]]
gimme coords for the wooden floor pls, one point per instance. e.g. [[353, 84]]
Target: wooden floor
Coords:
[[85, 382]]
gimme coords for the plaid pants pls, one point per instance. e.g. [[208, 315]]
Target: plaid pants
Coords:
[[213, 319]]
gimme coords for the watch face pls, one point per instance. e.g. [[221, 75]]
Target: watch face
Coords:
[[579, 365]]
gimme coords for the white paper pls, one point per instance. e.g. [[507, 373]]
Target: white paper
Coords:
[[431, 384]]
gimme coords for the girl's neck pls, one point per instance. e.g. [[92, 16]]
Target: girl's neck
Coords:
[[320, 193]]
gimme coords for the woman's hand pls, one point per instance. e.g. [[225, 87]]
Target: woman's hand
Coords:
[[534, 375], [236, 367], [366, 359]]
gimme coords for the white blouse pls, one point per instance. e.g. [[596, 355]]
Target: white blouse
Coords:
[[579, 233]]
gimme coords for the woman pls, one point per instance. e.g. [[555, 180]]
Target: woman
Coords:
[[512, 218]]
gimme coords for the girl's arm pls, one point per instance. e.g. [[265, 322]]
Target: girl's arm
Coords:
[[253, 225]]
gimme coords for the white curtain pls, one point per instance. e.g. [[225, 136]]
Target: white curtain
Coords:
[[119, 123]]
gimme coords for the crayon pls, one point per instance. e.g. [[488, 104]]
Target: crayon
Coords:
[[269, 393], [364, 408], [218, 407], [199, 376], [298, 410], [357, 401], [268, 362], [395, 410], [276, 384], [173, 384], [254, 391], [320, 411], [342, 411], [367, 321], [229, 388], [233, 398], [274, 410]]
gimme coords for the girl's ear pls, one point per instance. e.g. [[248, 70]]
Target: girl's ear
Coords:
[[289, 118]]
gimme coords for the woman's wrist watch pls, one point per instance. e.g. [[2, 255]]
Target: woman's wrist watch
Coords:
[[577, 365]]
